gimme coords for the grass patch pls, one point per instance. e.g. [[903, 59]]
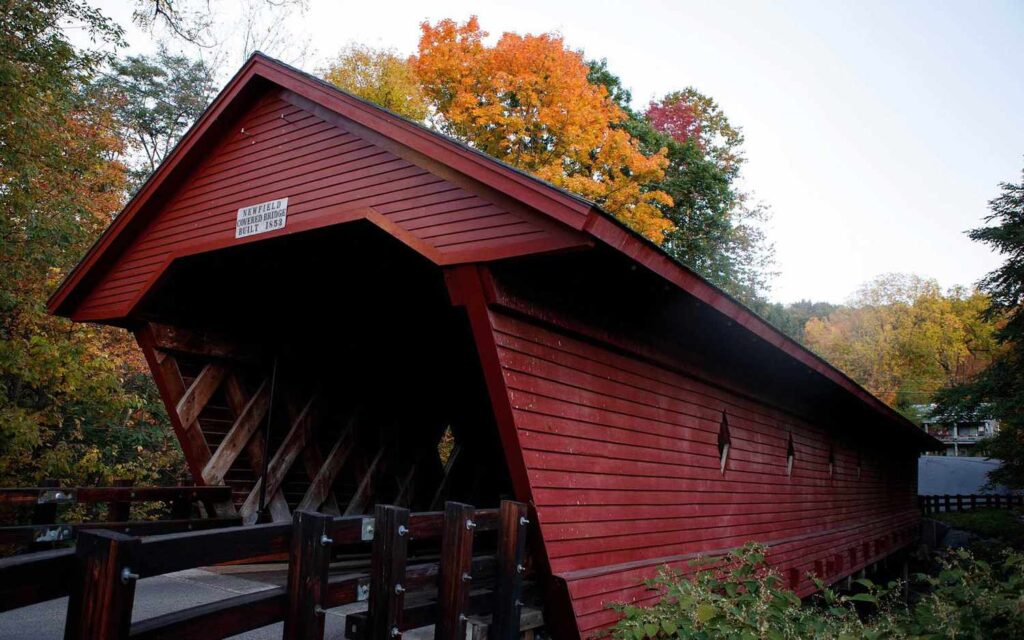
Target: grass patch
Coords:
[[1004, 524]]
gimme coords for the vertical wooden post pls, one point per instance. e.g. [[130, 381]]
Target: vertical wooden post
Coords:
[[456, 566], [103, 589], [959, 502], [508, 587], [946, 501], [387, 572], [181, 508], [974, 502], [44, 514], [307, 575], [998, 500], [120, 510]]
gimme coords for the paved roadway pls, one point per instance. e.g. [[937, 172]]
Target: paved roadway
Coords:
[[171, 592]]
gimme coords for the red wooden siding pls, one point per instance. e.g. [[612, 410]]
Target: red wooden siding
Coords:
[[280, 150], [623, 465]]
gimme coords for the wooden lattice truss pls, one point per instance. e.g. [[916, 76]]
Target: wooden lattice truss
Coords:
[[219, 399]]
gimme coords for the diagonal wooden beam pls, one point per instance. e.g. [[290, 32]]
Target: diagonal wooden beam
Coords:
[[359, 498], [442, 488], [238, 436], [313, 461], [406, 488], [292, 445], [171, 387], [324, 479], [199, 393], [256, 449]]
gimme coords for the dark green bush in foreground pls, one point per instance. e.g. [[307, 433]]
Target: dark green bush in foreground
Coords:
[[742, 598]]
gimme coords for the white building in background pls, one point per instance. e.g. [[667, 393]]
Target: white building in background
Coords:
[[960, 438]]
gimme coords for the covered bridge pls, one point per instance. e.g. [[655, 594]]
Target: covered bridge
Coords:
[[342, 308]]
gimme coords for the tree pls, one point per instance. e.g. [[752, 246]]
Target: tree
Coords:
[[156, 99], [716, 228], [380, 76], [998, 390], [527, 101], [792, 318], [904, 339], [73, 402]]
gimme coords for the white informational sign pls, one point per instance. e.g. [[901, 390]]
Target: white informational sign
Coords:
[[261, 218]]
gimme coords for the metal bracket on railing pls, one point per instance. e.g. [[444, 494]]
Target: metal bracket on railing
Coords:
[[326, 540], [56, 533], [55, 496], [127, 575], [470, 524], [363, 590], [367, 532]]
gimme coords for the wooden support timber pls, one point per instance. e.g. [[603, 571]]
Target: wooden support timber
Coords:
[[256, 449], [221, 418], [321, 485]]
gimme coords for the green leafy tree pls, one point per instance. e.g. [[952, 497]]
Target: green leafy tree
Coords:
[[791, 318], [904, 339], [155, 100], [74, 401], [716, 228], [998, 391], [380, 76]]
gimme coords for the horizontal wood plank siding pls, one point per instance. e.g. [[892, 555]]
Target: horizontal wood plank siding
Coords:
[[623, 464], [279, 150]]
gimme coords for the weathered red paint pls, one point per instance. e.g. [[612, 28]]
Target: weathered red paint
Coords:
[[613, 439]]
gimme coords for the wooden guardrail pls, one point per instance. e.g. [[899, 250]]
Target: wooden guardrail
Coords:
[[45, 528], [100, 575], [971, 502]]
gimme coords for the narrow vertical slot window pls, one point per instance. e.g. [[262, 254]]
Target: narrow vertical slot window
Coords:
[[723, 442], [790, 457]]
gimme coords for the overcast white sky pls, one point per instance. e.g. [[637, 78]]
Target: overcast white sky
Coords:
[[877, 131]]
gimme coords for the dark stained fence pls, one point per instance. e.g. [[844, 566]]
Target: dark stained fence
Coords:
[[46, 529], [953, 503], [100, 575]]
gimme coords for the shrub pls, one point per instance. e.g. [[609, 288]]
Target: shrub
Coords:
[[741, 597]]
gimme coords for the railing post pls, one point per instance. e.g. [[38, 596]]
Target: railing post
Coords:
[[387, 572], [308, 560], [946, 501], [103, 587], [508, 587], [998, 500], [44, 514], [974, 502], [120, 510], [456, 567], [181, 508], [959, 502]]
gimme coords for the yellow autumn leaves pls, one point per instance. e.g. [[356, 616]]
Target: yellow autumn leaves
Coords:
[[527, 101]]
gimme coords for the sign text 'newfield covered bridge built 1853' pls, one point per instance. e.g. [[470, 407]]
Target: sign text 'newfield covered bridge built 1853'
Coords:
[[304, 257]]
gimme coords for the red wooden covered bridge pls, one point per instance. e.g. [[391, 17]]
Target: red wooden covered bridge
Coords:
[[342, 308]]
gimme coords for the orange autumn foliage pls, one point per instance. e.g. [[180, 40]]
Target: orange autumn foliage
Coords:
[[527, 101]]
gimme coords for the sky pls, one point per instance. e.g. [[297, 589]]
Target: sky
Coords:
[[876, 131]]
